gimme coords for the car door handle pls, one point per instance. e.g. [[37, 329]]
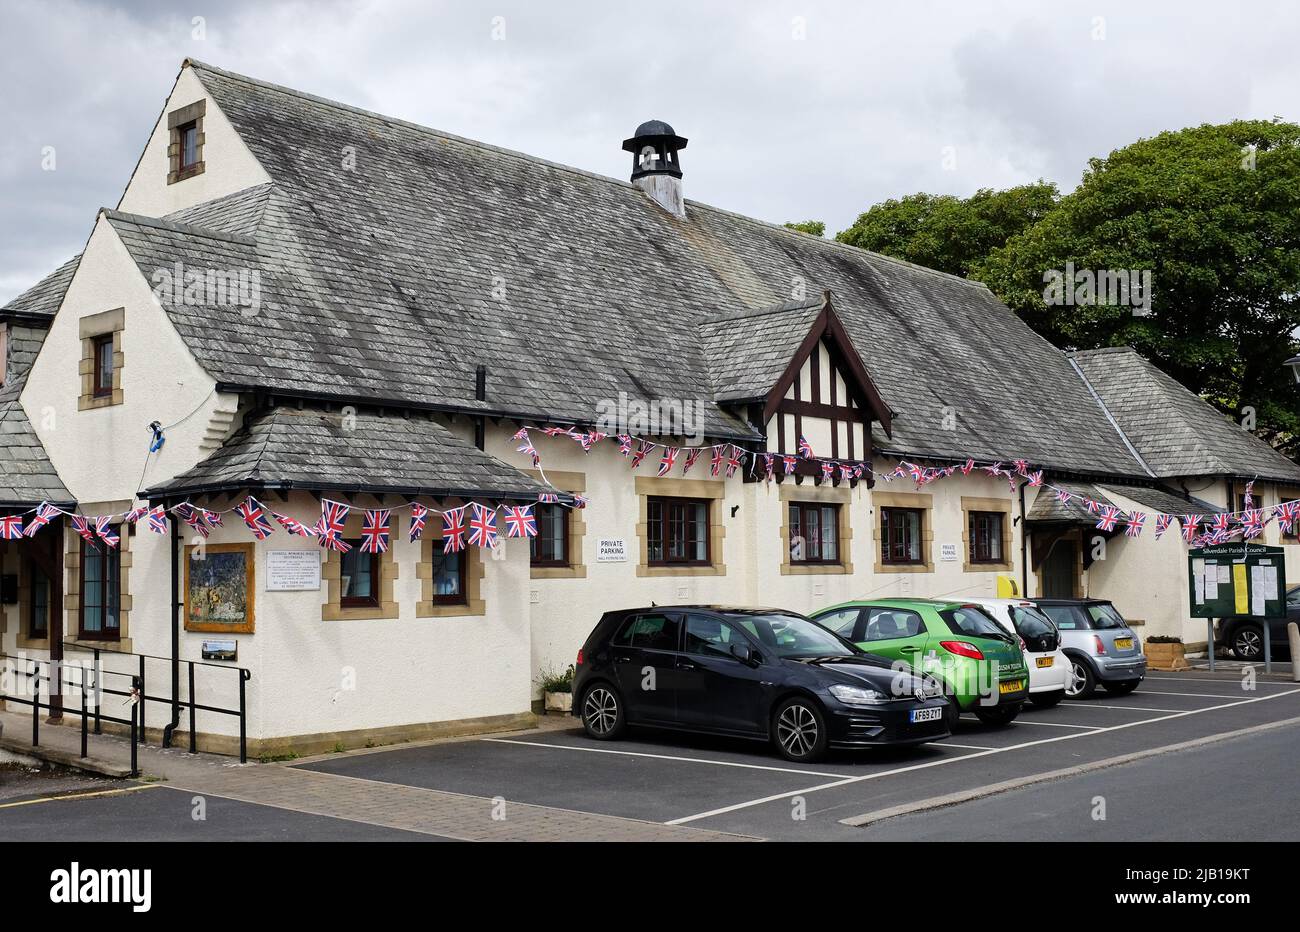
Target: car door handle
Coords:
[[686, 665], [909, 649], [622, 659]]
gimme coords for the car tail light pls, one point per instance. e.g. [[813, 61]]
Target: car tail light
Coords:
[[962, 649], [1023, 646], [579, 657], [1096, 641]]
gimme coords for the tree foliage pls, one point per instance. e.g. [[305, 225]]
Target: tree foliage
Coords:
[[811, 227]]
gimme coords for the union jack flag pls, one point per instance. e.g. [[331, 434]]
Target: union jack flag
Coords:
[[453, 530], [1109, 518], [105, 530], [589, 440], [1036, 479], [733, 461], [789, 463], [715, 461], [859, 470], [191, 516], [966, 467], [82, 527], [1162, 524], [805, 448], [135, 514], [1222, 522], [158, 520], [44, 514], [691, 456], [294, 527], [1252, 523], [1093, 507], [845, 473], [668, 461], [1249, 496], [11, 527], [254, 516], [1191, 526], [900, 471], [916, 472], [419, 514], [643, 447], [1135, 522], [329, 526], [520, 521], [556, 431], [1021, 466], [1286, 515], [994, 470], [579, 502], [521, 434], [828, 470], [375, 530], [548, 498], [769, 466], [1063, 496], [211, 517], [527, 449], [625, 444], [483, 527]]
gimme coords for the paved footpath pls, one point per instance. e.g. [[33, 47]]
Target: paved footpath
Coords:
[[413, 809]]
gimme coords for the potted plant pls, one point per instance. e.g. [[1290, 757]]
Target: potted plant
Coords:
[[1165, 653], [557, 688]]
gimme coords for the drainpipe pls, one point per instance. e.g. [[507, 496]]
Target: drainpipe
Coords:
[[1024, 547], [170, 728]]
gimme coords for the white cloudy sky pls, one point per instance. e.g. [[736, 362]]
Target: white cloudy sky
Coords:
[[860, 109]]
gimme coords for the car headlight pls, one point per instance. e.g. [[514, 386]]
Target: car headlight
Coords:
[[857, 695]]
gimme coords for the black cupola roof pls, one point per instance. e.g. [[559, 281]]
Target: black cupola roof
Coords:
[[655, 148]]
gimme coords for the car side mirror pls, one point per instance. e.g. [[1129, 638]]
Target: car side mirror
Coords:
[[743, 652]]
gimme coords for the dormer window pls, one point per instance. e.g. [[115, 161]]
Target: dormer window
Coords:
[[185, 150]]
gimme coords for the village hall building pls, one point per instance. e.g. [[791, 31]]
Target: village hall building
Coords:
[[304, 303]]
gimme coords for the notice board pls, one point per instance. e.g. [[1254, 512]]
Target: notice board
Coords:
[[1237, 579]]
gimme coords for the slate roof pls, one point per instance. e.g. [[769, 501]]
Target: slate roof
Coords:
[[27, 477], [289, 448], [1174, 430], [1162, 501], [748, 351], [43, 298], [1047, 509], [393, 281]]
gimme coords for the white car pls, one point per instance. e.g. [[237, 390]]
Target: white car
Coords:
[[1050, 671]]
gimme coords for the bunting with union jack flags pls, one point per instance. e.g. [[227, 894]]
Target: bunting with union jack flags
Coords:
[[668, 461], [1191, 527], [453, 530], [82, 527], [293, 526], [254, 516], [691, 456], [1134, 523], [375, 531], [805, 448], [329, 526], [1162, 524], [158, 520], [44, 515], [483, 526], [11, 527], [1110, 516], [419, 514], [520, 521], [106, 532]]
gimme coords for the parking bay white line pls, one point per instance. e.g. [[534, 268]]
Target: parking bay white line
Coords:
[[689, 760], [965, 747], [1154, 692], [1123, 708], [1021, 721], [951, 760]]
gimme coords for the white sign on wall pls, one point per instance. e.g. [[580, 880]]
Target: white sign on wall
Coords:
[[611, 550], [948, 553], [292, 570]]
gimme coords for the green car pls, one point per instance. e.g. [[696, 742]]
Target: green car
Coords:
[[978, 661]]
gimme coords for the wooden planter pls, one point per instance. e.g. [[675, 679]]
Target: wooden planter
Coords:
[[1165, 656], [559, 702]]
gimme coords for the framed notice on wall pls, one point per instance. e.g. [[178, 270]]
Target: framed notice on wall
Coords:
[[292, 570], [219, 588]]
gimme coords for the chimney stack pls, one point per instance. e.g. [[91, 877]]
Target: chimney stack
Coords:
[[656, 164]]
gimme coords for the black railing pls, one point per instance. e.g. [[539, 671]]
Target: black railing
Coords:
[[137, 693]]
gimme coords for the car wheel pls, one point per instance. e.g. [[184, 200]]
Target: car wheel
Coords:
[[602, 712], [1121, 689], [1084, 683], [999, 714], [799, 729], [953, 712], [1047, 700], [1248, 642]]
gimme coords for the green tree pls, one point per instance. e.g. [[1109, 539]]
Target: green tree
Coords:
[[948, 233], [811, 227], [1213, 213]]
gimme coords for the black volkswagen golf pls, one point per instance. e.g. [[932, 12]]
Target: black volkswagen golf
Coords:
[[753, 673]]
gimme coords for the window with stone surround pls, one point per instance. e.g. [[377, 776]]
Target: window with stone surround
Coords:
[[681, 530], [986, 534], [101, 359], [904, 532], [185, 146], [816, 533]]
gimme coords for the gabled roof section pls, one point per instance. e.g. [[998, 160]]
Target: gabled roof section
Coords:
[[27, 477], [1176, 432], [435, 254], [40, 301], [749, 350], [1047, 508], [286, 448]]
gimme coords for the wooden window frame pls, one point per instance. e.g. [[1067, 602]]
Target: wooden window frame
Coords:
[[666, 503], [564, 559], [99, 389], [462, 584], [364, 601], [887, 544], [33, 633], [104, 634], [973, 555], [182, 165], [804, 507]]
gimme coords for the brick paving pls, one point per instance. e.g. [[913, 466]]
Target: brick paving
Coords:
[[414, 809]]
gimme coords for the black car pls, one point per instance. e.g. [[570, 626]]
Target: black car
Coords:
[[1244, 634], [753, 673]]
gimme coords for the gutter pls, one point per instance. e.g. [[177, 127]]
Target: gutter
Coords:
[[161, 494]]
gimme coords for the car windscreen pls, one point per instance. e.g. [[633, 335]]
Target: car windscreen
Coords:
[[793, 636], [1104, 617], [973, 623], [1031, 623]]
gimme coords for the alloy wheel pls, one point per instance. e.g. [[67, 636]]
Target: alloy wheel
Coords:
[[600, 711], [797, 730], [1077, 678], [1248, 643]]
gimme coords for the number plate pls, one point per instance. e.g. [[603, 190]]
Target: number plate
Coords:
[[1123, 643], [1010, 686], [1045, 661], [926, 715]]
